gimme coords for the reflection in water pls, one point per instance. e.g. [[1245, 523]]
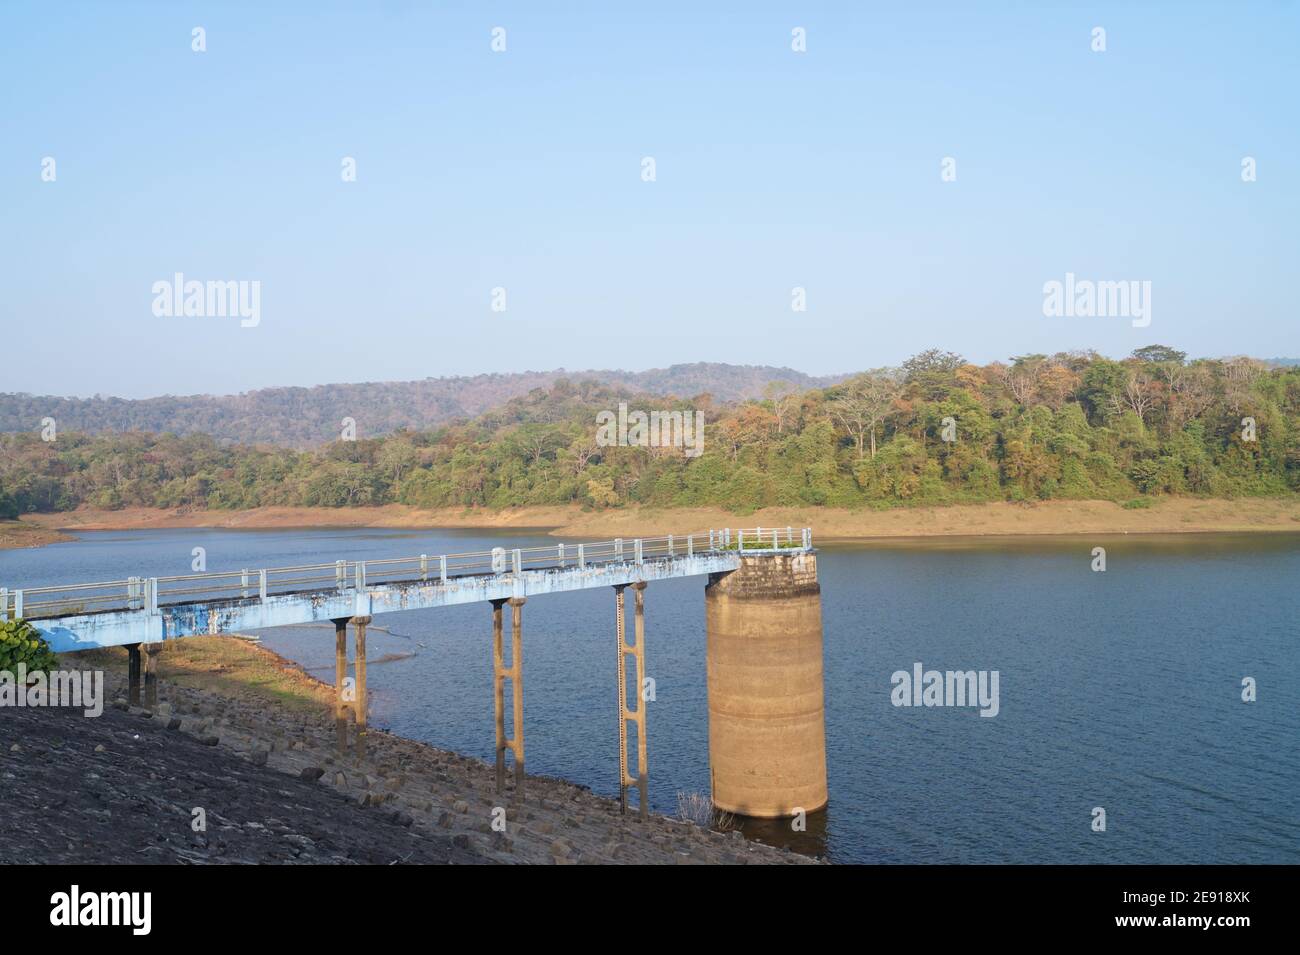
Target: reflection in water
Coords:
[[781, 832]]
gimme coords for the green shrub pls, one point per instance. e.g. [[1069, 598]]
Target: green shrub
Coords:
[[20, 642], [1137, 504]]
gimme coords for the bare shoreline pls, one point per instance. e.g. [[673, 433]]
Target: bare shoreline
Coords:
[[1048, 518], [15, 535], [251, 736]]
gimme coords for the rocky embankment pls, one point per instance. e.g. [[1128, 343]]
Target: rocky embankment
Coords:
[[124, 787]]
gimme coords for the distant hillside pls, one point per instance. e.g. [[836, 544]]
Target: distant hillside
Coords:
[[1074, 426], [304, 417]]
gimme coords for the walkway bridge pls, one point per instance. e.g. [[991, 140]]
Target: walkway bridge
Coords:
[[765, 681]]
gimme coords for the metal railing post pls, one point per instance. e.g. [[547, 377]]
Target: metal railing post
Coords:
[[143, 593]]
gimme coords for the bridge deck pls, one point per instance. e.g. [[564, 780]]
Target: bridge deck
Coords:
[[115, 613]]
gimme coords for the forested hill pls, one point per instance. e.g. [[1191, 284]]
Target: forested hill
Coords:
[[938, 430], [306, 417]]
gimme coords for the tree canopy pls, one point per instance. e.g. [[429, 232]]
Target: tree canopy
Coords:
[[938, 430]]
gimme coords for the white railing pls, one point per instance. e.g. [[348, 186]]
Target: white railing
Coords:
[[146, 593]]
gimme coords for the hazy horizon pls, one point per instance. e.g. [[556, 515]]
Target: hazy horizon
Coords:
[[543, 371]]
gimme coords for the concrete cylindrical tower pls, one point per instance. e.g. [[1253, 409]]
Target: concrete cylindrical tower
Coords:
[[767, 722]]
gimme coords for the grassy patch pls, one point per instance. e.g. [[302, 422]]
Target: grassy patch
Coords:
[[15, 534], [227, 666]]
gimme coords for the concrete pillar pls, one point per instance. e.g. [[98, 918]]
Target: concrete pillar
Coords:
[[359, 706], [499, 691], [620, 636], [341, 705], [133, 674], [625, 713], [151, 651], [517, 685], [767, 736], [515, 674], [638, 717]]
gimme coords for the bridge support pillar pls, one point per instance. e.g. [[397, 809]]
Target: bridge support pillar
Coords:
[[625, 714], [133, 674], [515, 674], [151, 651], [341, 703], [767, 736], [359, 706]]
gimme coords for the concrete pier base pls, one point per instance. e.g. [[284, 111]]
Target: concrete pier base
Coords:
[[360, 706], [151, 651], [341, 704], [767, 735], [515, 674], [133, 674], [626, 714]]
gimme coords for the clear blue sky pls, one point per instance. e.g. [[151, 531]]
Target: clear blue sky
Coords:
[[522, 170]]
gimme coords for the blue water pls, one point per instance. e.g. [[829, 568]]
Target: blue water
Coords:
[[1119, 689]]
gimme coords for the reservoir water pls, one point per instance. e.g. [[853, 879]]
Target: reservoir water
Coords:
[[1120, 690]]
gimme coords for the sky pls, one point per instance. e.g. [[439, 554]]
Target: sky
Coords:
[[524, 169]]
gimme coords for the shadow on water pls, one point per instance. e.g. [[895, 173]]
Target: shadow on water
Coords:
[[782, 834]]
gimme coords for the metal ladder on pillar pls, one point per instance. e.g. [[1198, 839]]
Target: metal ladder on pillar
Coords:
[[637, 716]]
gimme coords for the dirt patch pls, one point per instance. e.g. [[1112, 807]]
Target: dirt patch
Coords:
[[1164, 516], [15, 534]]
